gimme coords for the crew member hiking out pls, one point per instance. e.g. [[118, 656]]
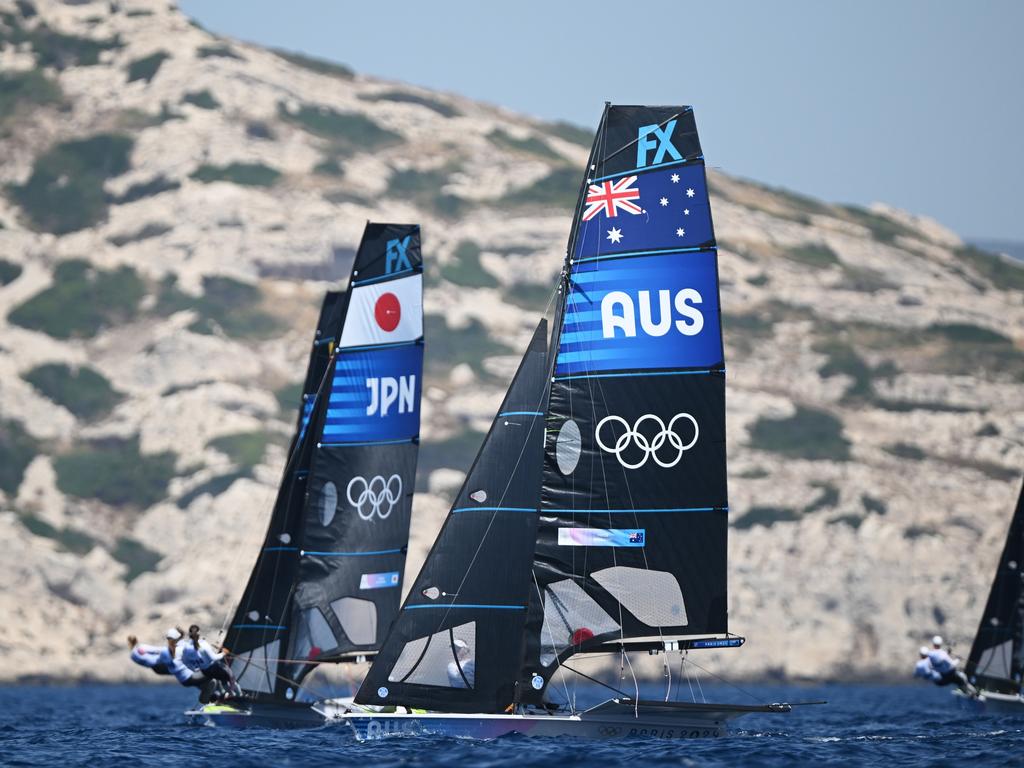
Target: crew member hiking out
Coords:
[[171, 657], [946, 668], [199, 655], [147, 656]]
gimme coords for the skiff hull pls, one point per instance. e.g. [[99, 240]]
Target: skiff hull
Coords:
[[256, 715], [989, 702], [613, 720]]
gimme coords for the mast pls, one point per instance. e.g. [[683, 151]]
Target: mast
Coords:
[[474, 585], [995, 662], [328, 580]]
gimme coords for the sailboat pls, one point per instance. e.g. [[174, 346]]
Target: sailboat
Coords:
[[328, 579], [996, 661], [595, 515]]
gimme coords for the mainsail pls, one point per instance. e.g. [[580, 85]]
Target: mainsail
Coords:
[[327, 583], [328, 329], [628, 506], [996, 662]]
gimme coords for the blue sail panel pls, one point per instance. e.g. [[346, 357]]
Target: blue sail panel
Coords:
[[375, 396], [644, 312]]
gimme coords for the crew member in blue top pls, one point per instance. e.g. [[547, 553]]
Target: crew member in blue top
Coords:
[[147, 656], [170, 656]]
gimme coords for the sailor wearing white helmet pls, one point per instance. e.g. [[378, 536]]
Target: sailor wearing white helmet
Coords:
[[924, 668], [946, 667], [462, 669]]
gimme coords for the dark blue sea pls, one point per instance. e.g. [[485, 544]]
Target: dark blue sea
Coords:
[[861, 725]]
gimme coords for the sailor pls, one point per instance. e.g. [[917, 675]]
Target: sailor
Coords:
[[945, 667], [199, 655], [457, 679], [924, 669], [171, 657], [147, 656]]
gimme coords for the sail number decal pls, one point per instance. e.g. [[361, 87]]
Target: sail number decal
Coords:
[[641, 313]]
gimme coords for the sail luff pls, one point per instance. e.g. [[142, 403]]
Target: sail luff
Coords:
[[995, 662]]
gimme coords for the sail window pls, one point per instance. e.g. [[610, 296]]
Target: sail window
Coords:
[[445, 659], [568, 446], [653, 597], [313, 636], [328, 503], [996, 661], [570, 616], [257, 669], [358, 618]]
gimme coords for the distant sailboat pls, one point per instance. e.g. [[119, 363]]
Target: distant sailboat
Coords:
[[996, 663], [327, 583], [595, 516]]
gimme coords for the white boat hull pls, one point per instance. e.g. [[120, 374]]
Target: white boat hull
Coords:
[[611, 720]]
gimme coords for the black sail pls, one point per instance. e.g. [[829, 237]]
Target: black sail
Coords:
[[457, 642], [328, 329], [632, 533], [327, 584], [996, 661]]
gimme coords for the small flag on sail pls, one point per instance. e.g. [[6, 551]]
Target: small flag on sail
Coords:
[[385, 313]]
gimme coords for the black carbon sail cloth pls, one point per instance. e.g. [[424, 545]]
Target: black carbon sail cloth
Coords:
[[632, 534], [996, 661], [327, 583], [457, 642]]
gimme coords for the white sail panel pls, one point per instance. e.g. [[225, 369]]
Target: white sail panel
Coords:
[[386, 312]]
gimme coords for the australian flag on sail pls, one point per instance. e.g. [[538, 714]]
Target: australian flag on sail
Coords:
[[375, 395], [642, 312], [643, 211]]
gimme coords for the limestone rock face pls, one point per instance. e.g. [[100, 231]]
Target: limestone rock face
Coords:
[[173, 205]]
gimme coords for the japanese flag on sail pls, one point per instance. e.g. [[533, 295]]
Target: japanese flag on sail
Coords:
[[385, 313]]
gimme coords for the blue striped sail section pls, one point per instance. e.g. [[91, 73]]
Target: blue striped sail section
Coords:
[[375, 396], [644, 312], [308, 401]]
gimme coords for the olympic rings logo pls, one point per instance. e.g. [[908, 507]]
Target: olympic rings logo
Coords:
[[649, 446], [374, 493]]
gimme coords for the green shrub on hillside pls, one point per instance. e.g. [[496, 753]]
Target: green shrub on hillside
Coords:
[[314, 64], [17, 449], [574, 133], [807, 434], [65, 191], [350, 131], [85, 392], [146, 67], [115, 472], [882, 228], [765, 517], [400, 97], [1004, 273], [217, 51], [246, 449], [451, 346], [425, 188], [202, 99], [9, 271], [530, 145], [455, 452], [30, 88], [813, 255], [227, 305], [82, 301], [137, 556], [243, 174], [67, 539], [215, 486], [289, 397], [145, 189], [531, 296], [559, 189], [466, 269], [51, 48]]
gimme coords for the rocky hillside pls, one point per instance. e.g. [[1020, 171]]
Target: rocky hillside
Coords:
[[173, 205]]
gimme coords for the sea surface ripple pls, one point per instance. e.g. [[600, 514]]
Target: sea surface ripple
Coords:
[[143, 725]]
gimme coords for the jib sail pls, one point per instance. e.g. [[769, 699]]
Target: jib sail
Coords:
[[328, 581], [457, 643], [996, 662]]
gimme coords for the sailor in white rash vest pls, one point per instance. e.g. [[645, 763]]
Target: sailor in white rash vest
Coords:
[[171, 657], [945, 667], [924, 668], [147, 656], [198, 654]]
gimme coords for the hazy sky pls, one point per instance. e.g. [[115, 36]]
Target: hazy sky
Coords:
[[917, 103]]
